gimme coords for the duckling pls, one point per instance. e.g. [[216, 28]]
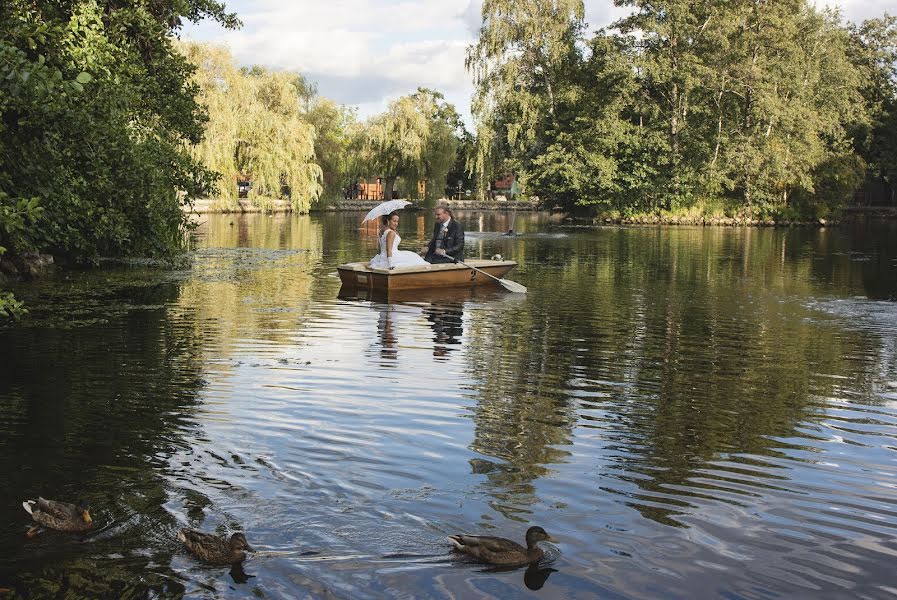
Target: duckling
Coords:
[[214, 549], [59, 515], [499, 551]]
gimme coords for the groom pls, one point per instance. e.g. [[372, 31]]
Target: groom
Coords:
[[448, 239]]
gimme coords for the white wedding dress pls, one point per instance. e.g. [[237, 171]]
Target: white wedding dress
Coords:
[[399, 258]]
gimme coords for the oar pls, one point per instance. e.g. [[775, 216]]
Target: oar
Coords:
[[511, 286]]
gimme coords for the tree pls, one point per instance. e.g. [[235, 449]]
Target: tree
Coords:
[[515, 62], [793, 91], [585, 160], [336, 127], [415, 139], [256, 129], [672, 42], [96, 114], [459, 178], [873, 48], [748, 102]]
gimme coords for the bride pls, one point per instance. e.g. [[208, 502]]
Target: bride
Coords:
[[390, 256]]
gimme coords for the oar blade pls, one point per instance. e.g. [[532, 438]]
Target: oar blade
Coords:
[[512, 286]]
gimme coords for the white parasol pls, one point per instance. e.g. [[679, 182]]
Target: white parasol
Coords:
[[384, 208]]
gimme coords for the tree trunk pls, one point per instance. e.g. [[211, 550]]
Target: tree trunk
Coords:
[[719, 129], [388, 184]]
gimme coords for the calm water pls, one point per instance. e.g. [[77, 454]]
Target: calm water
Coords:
[[690, 412]]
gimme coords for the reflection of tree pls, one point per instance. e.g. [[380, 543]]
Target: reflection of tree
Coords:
[[237, 292], [521, 415], [91, 413], [679, 349], [858, 257]]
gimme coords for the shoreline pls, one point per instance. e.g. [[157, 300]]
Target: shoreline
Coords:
[[211, 206], [674, 221], [244, 206]]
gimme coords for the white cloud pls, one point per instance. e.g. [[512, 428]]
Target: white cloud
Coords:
[[858, 10], [361, 52], [367, 52]]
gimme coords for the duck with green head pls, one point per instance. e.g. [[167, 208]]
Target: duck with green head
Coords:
[[499, 551], [62, 516]]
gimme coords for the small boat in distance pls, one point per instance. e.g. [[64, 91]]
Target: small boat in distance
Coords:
[[359, 275]]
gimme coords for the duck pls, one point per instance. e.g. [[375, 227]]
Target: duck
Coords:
[[215, 549], [499, 551], [62, 516]]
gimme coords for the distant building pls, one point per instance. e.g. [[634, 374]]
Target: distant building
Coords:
[[504, 186], [363, 189], [369, 190]]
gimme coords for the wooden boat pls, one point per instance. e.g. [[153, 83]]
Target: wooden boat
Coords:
[[360, 276]]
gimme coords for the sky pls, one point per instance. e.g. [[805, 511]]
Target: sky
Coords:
[[365, 53]]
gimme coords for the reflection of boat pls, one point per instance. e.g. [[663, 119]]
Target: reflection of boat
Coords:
[[428, 296], [358, 275]]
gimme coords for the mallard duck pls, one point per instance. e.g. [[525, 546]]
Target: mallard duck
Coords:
[[214, 549], [499, 551], [59, 515]]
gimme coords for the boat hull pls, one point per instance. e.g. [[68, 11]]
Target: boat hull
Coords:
[[358, 275]]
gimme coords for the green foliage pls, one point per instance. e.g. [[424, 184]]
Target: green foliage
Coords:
[[522, 46], [96, 114], [758, 103], [17, 217], [416, 139], [873, 49], [460, 170], [255, 129], [10, 307], [336, 127], [836, 179]]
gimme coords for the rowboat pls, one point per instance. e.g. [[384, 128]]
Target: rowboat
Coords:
[[359, 275]]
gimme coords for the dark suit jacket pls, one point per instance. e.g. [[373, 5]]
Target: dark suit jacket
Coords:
[[453, 242]]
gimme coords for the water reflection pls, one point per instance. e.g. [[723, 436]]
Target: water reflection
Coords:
[[91, 412], [447, 321], [534, 576], [441, 309], [386, 328], [682, 408]]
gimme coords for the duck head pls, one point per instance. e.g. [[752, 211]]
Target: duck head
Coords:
[[84, 510], [238, 543], [536, 534]]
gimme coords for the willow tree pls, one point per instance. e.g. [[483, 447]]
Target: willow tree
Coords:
[[256, 130], [414, 139], [516, 65], [336, 127]]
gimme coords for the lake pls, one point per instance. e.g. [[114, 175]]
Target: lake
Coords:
[[689, 412]]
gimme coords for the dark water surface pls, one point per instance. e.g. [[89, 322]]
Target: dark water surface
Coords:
[[690, 412]]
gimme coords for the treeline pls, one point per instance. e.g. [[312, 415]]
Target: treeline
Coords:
[[273, 130], [761, 108]]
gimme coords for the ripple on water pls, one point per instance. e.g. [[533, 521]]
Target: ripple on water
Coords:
[[688, 417]]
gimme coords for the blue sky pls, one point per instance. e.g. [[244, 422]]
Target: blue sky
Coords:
[[367, 52]]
